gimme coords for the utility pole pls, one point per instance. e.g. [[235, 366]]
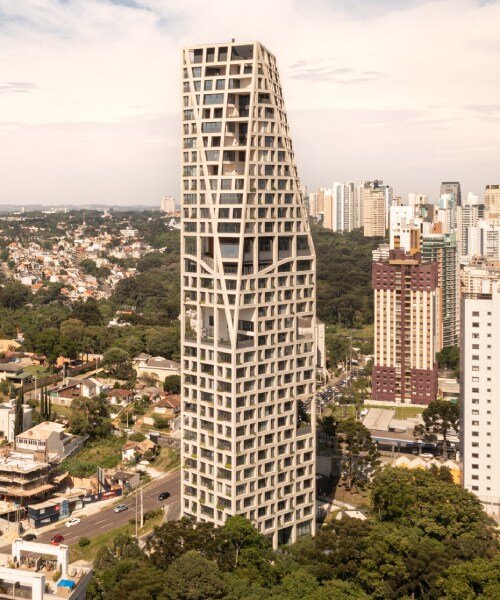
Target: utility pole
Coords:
[[142, 510], [136, 520]]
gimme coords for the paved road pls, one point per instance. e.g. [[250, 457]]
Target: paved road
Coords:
[[106, 519]]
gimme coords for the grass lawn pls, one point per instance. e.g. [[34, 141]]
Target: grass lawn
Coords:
[[365, 332], [39, 370], [63, 411], [104, 453], [105, 539], [348, 410]]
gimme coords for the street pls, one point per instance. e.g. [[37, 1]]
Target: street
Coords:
[[107, 519]]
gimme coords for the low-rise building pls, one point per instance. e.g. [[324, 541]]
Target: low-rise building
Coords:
[[73, 387], [120, 397], [169, 406], [8, 418], [155, 366], [24, 478], [28, 572], [131, 450], [48, 441]]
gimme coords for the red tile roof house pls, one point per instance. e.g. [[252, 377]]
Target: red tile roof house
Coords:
[[121, 397], [169, 405]]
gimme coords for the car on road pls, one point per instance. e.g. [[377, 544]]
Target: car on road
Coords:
[[163, 496], [120, 508], [56, 539], [29, 537], [73, 521]]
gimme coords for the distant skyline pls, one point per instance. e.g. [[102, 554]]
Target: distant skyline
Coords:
[[90, 102]]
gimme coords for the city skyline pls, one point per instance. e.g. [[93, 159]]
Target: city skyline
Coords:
[[89, 93]]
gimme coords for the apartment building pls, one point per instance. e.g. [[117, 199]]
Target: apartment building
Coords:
[[406, 309], [248, 299], [479, 278], [441, 248], [480, 391], [492, 201], [375, 199], [452, 187], [404, 229], [167, 205]]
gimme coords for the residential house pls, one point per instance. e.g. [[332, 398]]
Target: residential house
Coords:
[[131, 450], [169, 406], [155, 366], [120, 397]]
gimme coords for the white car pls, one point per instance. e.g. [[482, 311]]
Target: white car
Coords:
[[73, 521]]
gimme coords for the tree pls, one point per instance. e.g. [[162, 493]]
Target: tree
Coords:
[[479, 578], [164, 342], [169, 541], [89, 266], [90, 416], [118, 363], [19, 413], [193, 577], [328, 426], [14, 295], [88, 312], [449, 358], [45, 405], [440, 419], [172, 384], [47, 343], [440, 509], [360, 454], [240, 533]]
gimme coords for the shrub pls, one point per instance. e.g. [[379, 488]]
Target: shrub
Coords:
[[83, 541]]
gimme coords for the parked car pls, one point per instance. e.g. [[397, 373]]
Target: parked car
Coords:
[[56, 539], [120, 508], [73, 521], [163, 496], [29, 537]]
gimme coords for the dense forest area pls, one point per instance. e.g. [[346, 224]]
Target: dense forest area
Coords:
[[343, 274], [425, 538]]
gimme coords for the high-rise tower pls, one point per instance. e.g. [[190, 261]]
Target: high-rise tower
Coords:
[[406, 296], [248, 299], [479, 392]]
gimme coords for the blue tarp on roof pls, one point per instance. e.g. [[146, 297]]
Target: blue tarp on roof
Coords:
[[66, 583]]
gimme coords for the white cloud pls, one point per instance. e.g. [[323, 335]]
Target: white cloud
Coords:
[[89, 91]]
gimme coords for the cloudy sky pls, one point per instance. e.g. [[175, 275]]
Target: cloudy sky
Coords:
[[407, 91]]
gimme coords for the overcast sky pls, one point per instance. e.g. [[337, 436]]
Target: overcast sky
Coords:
[[400, 90]]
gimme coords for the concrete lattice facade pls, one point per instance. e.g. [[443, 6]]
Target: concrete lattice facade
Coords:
[[248, 299]]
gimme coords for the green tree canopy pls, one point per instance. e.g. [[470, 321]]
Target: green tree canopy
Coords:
[[440, 418], [172, 384]]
